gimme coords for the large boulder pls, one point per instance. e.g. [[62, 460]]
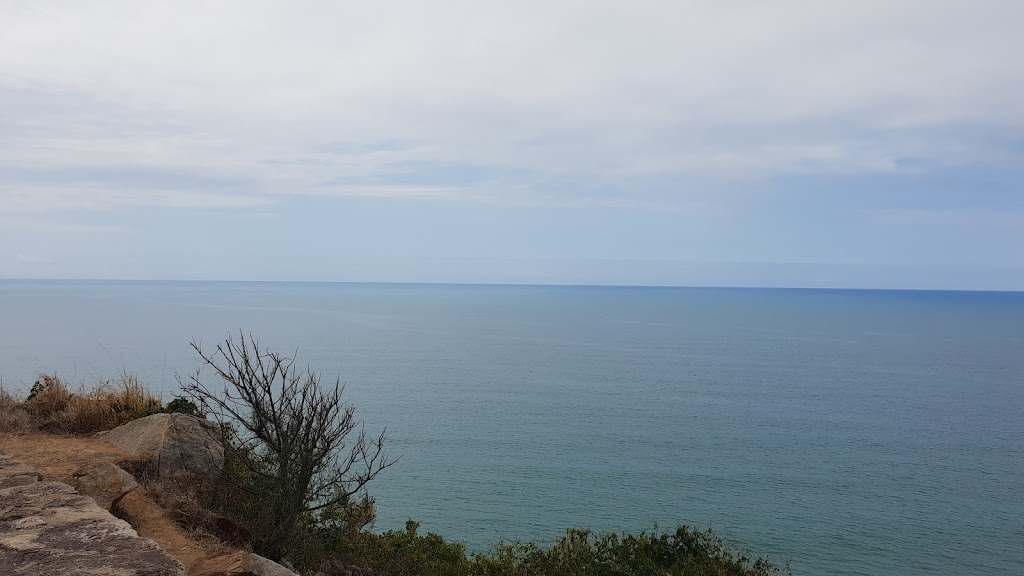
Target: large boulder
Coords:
[[181, 448], [239, 564]]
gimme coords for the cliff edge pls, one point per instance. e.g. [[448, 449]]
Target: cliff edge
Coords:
[[46, 527]]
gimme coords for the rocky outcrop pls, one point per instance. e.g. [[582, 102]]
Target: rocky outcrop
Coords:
[[239, 564], [181, 448], [48, 528]]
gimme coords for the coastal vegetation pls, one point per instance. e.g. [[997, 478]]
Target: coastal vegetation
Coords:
[[294, 448], [294, 482]]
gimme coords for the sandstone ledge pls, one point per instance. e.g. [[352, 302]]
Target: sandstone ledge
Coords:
[[48, 528]]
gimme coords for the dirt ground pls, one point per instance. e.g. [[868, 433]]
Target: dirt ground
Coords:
[[58, 457]]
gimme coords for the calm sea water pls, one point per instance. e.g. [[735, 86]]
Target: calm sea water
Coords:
[[848, 432]]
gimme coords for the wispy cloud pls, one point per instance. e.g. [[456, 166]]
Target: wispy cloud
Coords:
[[50, 199], [947, 217], [89, 229], [385, 191]]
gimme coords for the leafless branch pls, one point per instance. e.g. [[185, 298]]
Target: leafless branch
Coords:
[[297, 436]]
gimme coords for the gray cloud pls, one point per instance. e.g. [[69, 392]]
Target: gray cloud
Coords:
[[654, 104]]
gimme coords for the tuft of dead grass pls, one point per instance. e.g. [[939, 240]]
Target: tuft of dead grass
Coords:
[[53, 408], [13, 417], [188, 509]]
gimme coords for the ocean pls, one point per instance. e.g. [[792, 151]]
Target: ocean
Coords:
[[843, 431]]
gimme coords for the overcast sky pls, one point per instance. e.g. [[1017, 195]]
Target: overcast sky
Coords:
[[856, 144]]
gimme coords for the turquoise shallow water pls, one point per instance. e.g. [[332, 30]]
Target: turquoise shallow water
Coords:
[[848, 432]]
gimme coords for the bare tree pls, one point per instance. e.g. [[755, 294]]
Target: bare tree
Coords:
[[293, 435]]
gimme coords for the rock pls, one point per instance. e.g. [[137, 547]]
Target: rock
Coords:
[[263, 567], [46, 528], [20, 480], [104, 483], [14, 473], [228, 564], [181, 447], [239, 564]]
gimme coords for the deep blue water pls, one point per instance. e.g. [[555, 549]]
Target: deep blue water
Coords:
[[848, 432]]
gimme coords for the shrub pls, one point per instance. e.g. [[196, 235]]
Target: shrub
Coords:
[[292, 445], [182, 405], [686, 552], [395, 552]]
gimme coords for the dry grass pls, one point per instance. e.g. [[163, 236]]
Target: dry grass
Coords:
[[53, 408], [13, 417], [152, 521], [187, 508]]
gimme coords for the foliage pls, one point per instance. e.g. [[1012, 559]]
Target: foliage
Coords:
[[293, 446], [394, 552], [181, 405], [582, 553], [685, 552]]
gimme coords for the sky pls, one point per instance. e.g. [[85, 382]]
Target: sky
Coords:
[[861, 144]]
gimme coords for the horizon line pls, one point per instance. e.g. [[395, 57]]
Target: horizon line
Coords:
[[511, 284]]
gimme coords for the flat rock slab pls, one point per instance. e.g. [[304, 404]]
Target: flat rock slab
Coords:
[[48, 528], [14, 473]]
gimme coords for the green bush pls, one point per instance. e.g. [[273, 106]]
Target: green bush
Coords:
[[181, 406], [685, 552], [404, 552]]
